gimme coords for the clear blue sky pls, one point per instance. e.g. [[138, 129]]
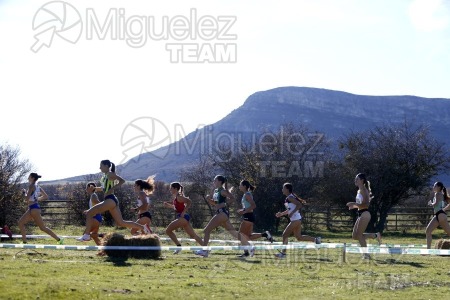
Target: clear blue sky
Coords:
[[68, 106]]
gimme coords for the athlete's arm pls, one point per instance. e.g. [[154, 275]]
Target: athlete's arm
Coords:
[[43, 196], [250, 200], [94, 198]]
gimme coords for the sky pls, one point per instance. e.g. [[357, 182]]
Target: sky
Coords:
[[79, 83]]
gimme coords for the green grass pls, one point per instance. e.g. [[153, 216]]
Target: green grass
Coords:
[[309, 274]]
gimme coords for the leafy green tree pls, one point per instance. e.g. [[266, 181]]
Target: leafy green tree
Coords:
[[399, 160]]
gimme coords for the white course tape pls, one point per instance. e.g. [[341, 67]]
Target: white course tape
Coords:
[[165, 248], [166, 239], [397, 250], [258, 245], [359, 250]]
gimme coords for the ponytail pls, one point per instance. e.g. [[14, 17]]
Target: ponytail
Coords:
[[151, 181], [247, 185], [223, 180], [226, 183], [110, 165], [290, 189], [299, 199], [178, 187], [444, 191], [146, 185], [446, 196], [366, 183]]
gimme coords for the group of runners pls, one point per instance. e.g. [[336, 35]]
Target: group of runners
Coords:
[[181, 204]]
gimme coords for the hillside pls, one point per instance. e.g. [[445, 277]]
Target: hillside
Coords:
[[330, 112]]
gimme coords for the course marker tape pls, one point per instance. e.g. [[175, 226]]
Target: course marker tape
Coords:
[[397, 250], [166, 248], [346, 249], [166, 239]]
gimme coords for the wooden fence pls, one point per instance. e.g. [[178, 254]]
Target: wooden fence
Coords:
[[330, 218], [56, 211], [399, 218]]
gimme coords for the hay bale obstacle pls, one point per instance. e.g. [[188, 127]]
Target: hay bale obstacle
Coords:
[[115, 239], [442, 244]]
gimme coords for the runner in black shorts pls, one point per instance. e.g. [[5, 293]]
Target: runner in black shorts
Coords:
[[362, 201], [440, 203], [110, 202], [248, 216], [143, 189], [222, 216]]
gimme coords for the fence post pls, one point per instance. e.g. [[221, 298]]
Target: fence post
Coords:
[[396, 222], [328, 218], [69, 213]]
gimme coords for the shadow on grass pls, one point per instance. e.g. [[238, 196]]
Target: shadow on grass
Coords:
[[405, 234], [30, 253], [247, 261], [392, 261], [123, 261], [118, 261]]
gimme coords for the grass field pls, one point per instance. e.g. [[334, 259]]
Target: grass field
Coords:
[[304, 274]]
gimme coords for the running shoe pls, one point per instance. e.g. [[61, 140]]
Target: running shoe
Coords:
[[203, 253], [269, 237], [84, 238], [252, 251]]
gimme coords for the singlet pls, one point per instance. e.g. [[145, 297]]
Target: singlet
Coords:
[[90, 199], [179, 206], [439, 205], [218, 198], [245, 203], [139, 202], [35, 196], [359, 198], [291, 206], [106, 183]]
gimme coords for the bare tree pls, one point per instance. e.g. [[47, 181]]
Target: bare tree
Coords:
[[291, 153], [198, 179], [13, 172]]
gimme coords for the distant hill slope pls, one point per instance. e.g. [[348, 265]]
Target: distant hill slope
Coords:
[[330, 112]]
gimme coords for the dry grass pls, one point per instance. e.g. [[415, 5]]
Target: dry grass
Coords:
[[115, 239], [442, 244]]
